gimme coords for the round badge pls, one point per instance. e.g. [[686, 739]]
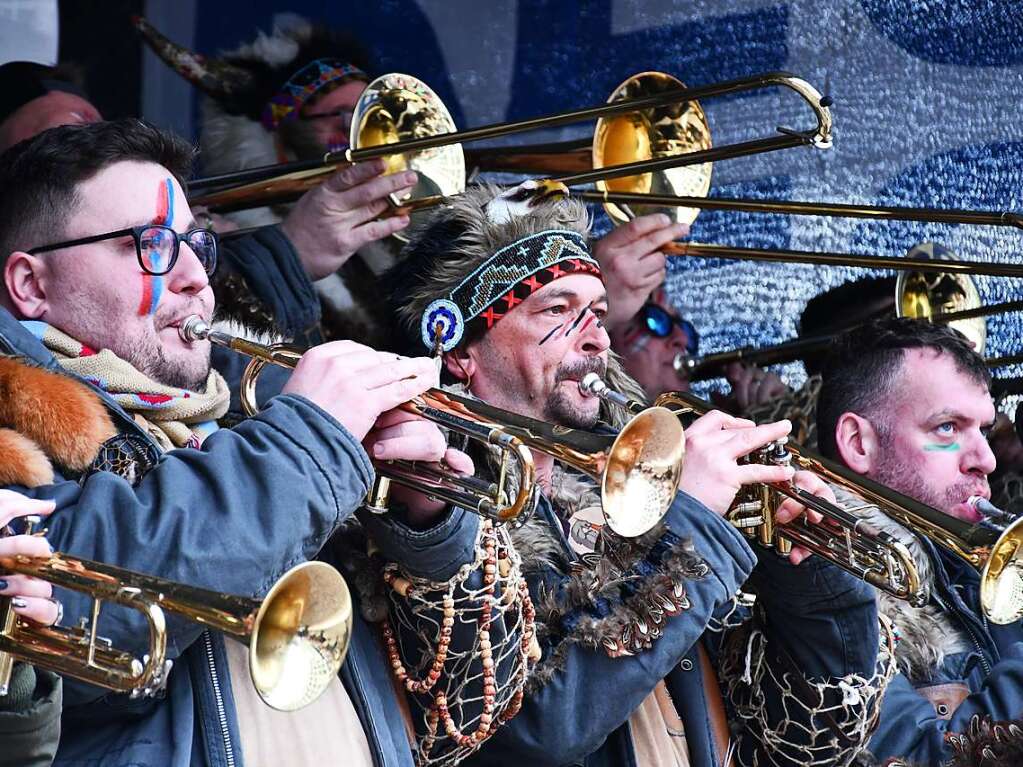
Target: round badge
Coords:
[[445, 317]]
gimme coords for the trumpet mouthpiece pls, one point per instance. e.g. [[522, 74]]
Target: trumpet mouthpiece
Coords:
[[193, 328], [592, 385]]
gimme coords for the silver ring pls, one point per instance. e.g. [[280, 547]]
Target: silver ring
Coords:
[[60, 611]]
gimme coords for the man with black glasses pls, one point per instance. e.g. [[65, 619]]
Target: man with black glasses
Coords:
[[114, 418]]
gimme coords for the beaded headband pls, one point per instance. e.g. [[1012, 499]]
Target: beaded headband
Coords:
[[302, 86], [504, 281]]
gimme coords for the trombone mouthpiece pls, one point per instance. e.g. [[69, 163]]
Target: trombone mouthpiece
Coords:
[[194, 328], [683, 363], [988, 509]]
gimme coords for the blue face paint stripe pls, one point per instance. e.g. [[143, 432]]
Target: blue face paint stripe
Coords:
[[949, 448], [168, 220]]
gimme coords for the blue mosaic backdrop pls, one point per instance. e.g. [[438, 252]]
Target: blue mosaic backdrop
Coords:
[[927, 112]]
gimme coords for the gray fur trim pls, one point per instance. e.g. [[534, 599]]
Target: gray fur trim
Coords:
[[926, 634], [457, 238]]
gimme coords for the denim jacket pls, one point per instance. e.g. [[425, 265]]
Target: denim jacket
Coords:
[[992, 669]]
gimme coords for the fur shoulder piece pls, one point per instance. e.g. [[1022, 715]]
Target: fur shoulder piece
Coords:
[[46, 418], [926, 634]]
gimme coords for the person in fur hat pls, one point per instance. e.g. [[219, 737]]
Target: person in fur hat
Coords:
[[907, 403], [290, 95], [108, 413], [510, 296]]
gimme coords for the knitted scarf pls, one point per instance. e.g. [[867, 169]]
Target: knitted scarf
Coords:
[[173, 417]]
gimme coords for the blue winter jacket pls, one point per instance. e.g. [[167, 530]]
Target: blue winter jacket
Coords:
[[992, 670], [824, 620], [233, 517]]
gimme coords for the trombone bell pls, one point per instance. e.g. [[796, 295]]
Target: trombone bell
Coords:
[[650, 133], [923, 295], [396, 108]]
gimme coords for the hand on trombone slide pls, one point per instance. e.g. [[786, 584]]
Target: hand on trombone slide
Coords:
[[31, 598], [333, 220]]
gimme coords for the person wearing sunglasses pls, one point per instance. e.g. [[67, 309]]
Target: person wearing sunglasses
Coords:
[[650, 342]]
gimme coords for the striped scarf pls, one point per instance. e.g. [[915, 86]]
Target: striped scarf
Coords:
[[173, 417]]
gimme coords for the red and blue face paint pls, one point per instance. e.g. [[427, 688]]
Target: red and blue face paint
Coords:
[[152, 286]]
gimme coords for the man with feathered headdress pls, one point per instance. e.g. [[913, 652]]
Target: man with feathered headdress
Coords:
[[511, 297], [289, 96]]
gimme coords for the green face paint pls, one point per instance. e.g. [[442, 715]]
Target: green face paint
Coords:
[[949, 448]]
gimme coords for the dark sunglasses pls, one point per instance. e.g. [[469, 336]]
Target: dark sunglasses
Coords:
[[659, 324], [156, 246]]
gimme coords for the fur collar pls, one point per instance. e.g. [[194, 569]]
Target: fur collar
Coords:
[[926, 634], [46, 420]]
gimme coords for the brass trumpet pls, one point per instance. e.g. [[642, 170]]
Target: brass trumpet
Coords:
[[845, 539], [994, 546], [468, 492], [297, 635], [638, 469]]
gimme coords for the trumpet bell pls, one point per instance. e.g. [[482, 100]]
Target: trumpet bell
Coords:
[[644, 467], [397, 107], [1001, 580], [300, 636], [925, 294], [648, 134]]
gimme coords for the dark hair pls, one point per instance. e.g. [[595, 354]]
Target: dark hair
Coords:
[[39, 177], [844, 307], [863, 367]]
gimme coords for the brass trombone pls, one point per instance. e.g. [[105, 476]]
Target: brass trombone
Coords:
[[994, 546], [297, 635], [399, 118], [638, 469], [937, 296]]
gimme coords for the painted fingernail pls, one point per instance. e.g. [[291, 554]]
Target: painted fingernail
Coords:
[[3, 585], [19, 603]]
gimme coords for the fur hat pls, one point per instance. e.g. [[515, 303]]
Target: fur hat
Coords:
[[455, 240], [445, 248], [240, 83]]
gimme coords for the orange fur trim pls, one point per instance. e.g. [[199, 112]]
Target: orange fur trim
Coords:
[[22, 462], [66, 420]]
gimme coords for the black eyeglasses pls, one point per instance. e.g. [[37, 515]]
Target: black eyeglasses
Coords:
[[155, 245], [659, 323]]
